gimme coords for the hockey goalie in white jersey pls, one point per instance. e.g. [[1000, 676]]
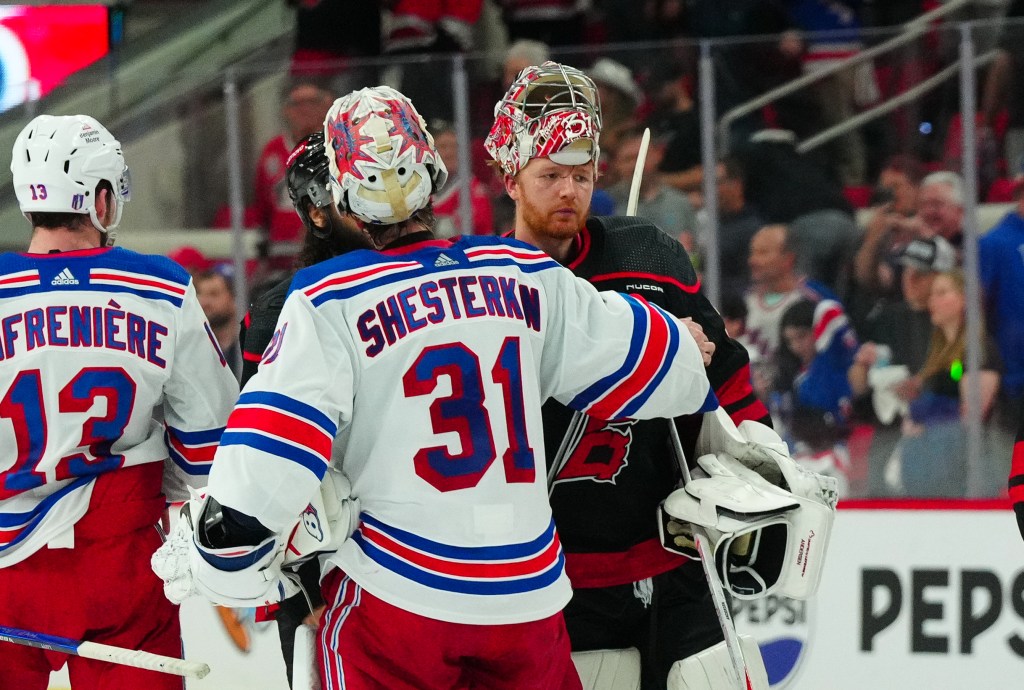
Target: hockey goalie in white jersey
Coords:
[[425, 366]]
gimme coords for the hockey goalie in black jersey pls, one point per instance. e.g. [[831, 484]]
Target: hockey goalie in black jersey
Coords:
[[629, 591]]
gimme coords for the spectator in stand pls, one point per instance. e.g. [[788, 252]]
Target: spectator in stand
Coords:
[[554, 22], [784, 184], [189, 258], [1002, 279], [887, 232], [897, 333], [664, 206], [738, 221], [520, 55], [447, 211], [828, 32], [818, 337], [675, 116], [620, 97], [933, 451], [440, 27], [941, 208], [305, 107], [796, 189], [320, 50], [775, 286], [1003, 89], [215, 288]]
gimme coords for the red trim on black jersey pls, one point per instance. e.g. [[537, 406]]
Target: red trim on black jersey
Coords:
[[737, 397], [637, 275], [646, 559]]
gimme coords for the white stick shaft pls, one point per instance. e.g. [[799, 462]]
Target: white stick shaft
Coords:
[[638, 173], [570, 438], [707, 561], [104, 652], [140, 659], [732, 640]]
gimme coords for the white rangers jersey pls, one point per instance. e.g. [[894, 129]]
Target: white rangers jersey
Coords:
[[429, 362], [106, 362]]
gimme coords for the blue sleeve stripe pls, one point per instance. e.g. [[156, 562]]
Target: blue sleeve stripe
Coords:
[[311, 461], [636, 347], [673, 347], [191, 468], [197, 438], [507, 552], [292, 406]]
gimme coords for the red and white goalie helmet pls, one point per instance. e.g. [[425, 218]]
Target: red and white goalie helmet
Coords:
[[383, 163], [58, 161], [550, 111]]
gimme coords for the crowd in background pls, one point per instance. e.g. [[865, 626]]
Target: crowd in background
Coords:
[[856, 323]]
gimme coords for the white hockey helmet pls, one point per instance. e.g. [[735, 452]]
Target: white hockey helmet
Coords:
[[58, 161], [383, 162], [550, 111]]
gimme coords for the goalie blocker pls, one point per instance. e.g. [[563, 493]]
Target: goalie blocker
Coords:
[[232, 560], [768, 537]]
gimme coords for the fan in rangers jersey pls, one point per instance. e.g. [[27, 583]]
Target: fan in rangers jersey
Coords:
[[97, 343], [628, 590], [426, 364]]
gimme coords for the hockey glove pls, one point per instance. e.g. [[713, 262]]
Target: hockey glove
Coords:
[[191, 562]]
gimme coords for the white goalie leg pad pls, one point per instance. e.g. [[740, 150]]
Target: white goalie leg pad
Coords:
[[711, 669], [608, 669], [760, 448], [305, 673], [330, 518]]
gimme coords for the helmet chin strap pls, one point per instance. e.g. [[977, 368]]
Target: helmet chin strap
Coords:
[[108, 233]]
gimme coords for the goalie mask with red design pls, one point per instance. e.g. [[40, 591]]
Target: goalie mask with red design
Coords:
[[550, 111], [382, 159]]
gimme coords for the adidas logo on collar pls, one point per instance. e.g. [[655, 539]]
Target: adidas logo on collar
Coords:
[[65, 277], [445, 260]]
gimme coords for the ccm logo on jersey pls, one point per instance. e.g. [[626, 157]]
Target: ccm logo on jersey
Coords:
[[644, 286]]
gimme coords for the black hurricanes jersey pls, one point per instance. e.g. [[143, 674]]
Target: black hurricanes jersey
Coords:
[[606, 495]]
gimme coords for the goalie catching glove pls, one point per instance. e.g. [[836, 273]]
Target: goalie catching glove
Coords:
[[765, 539], [232, 560]]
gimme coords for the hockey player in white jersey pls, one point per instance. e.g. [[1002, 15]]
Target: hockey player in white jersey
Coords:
[[112, 399], [429, 362]]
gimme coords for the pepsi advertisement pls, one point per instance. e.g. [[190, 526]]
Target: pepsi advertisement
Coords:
[[914, 594]]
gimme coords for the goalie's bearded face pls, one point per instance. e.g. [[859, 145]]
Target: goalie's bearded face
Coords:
[[552, 200]]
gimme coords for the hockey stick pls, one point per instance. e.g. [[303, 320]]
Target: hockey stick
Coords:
[[104, 652], [578, 418], [638, 173], [707, 561]]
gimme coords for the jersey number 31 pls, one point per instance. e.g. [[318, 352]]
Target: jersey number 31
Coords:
[[463, 413]]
